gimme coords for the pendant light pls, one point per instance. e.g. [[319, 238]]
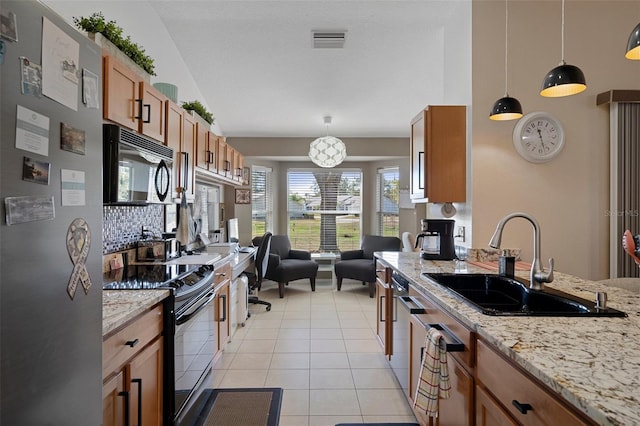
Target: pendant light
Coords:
[[633, 45], [563, 80], [506, 108], [327, 151]]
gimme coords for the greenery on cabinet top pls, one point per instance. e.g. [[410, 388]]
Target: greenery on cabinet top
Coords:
[[96, 23], [199, 109]]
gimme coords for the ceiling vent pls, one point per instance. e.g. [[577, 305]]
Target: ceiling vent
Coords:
[[328, 39]]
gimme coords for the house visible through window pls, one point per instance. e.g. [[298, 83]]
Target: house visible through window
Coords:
[[387, 201], [261, 200], [324, 209]]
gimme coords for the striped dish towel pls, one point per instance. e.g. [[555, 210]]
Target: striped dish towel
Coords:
[[434, 374]]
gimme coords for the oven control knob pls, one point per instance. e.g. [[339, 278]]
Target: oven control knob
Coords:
[[205, 268], [176, 283]]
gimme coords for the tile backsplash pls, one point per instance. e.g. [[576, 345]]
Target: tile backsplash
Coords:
[[122, 225]]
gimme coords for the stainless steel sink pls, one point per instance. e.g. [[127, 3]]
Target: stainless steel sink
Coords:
[[493, 294]]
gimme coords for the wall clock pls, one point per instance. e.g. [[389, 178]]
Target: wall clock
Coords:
[[538, 137]]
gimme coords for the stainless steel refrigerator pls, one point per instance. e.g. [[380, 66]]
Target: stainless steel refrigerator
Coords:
[[51, 221]]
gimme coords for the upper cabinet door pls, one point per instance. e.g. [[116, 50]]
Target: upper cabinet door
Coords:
[[438, 154], [120, 93], [151, 112]]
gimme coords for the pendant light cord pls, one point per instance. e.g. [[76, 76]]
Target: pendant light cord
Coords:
[[562, 35], [506, 50]]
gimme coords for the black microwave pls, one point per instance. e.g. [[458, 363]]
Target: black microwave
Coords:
[[136, 170]]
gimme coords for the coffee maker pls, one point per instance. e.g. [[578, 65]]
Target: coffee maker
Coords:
[[436, 240]]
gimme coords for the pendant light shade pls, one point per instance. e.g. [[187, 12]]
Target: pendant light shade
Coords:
[[633, 45], [327, 151], [563, 80], [506, 108]]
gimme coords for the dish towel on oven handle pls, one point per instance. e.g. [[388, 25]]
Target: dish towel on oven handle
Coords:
[[434, 374]]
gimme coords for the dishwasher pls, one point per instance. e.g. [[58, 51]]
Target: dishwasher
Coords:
[[403, 307]]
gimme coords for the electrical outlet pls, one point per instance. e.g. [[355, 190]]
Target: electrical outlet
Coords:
[[460, 234]]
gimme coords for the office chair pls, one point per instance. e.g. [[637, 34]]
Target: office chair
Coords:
[[262, 261]]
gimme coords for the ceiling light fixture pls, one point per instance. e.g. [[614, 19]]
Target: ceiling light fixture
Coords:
[[633, 45], [563, 80], [327, 151], [506, 108]]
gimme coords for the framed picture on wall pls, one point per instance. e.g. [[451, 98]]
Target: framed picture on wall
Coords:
[[243, 196], [246, 176]]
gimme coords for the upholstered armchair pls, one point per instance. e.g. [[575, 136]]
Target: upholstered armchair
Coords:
[[286, 265], [360, 265]]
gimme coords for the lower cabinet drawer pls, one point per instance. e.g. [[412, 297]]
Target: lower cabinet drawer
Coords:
[[127, 342], [524, 399]]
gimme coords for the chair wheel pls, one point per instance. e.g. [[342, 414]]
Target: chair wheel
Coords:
[[268, 308]]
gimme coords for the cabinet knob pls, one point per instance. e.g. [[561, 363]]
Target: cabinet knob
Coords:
[[522, 407], [132, 343]]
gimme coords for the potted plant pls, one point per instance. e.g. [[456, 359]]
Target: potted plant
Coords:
[[199, 109], [97, 24]]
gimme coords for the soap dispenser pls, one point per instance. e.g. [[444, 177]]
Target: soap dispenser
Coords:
[[506, 265]]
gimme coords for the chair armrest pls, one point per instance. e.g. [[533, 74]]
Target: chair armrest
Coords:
[[351, 254], [299, 254], [274, 261]]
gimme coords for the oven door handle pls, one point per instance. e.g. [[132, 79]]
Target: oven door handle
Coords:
[[197, 307]]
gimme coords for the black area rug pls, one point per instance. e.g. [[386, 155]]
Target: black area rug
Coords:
[[237, 407]]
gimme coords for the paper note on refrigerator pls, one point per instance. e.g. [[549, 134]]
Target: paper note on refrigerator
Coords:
[[73, 187], [32, 131]]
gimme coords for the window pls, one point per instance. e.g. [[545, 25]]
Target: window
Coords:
[[261, 200], [387, 201], [324, 209]]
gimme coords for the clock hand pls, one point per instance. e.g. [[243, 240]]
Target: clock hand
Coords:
[[541, 140]]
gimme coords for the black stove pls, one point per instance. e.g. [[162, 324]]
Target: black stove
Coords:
[[184, 280]]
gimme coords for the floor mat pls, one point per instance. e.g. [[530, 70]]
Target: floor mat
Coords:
[[240, 407]]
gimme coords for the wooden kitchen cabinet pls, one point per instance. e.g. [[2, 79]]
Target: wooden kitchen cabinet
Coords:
[[206, 145], [145, 381], [130, 101], [113, 400], [509, 388], [489, 412], [438, 154], [181, 136], [222, 283], [384, 299], [133, 371], [225, 158], [456, 410]]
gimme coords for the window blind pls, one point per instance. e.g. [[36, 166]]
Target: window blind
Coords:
[[261, 200], [388, 201], [324, 209]]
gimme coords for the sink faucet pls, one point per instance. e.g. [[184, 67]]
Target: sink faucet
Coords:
[[537, 276]]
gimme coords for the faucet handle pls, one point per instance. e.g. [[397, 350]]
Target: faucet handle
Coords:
[[550, 272]]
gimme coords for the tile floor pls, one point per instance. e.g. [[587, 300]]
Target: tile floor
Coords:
[[321, 349]]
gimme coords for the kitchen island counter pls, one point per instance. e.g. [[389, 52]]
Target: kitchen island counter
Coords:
[[120, 306], [593, 363]]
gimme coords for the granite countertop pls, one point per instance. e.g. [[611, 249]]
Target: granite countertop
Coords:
[[593, 363], [119, 306]]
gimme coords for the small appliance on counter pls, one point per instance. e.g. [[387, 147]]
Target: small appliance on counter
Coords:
[[223, 248], [436, 241], [157, 250]]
